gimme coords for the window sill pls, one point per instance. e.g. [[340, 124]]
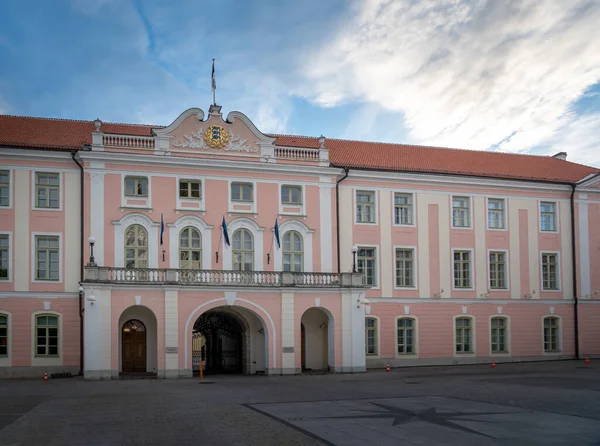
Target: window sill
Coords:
[[47, 209], [550, 291], [201, 211], [365, 223], [293, 215], [143, 208], [407, 225], [498, 229], [463, 227]]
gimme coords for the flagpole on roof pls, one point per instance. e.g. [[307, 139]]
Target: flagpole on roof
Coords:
[[214, 83]]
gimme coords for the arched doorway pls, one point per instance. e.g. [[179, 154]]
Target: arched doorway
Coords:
[[316, 337], [133, 346]]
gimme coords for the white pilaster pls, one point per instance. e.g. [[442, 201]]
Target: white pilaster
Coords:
[[481, 260], [171, 333], [288, 365], [22, 235], [584, 249], [97, 214], [566, 251], [423, 254], [97, 334], [514, 254], [326, 227], [345, 228], [72, 226], [386, 256]]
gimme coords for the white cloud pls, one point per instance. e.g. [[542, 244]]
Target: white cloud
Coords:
[[470, 74]]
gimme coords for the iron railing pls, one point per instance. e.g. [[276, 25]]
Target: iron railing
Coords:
[[170, 276]]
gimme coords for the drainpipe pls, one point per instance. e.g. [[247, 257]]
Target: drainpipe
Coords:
[[574, 260], [337, 213], [81, 182]]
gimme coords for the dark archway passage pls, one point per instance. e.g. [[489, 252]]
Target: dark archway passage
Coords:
[[217, 341]]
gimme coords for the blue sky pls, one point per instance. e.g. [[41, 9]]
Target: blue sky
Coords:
[[520, 76]]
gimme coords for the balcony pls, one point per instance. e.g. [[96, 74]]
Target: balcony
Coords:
[[188, 277]]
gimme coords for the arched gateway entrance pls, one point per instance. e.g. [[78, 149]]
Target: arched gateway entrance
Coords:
[[133, 346], [228, 340]]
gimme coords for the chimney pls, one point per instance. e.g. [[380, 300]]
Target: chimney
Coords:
[[560, 156]]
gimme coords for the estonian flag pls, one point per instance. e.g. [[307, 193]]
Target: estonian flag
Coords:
[[162, 229], [277, 233], [213, 78], [225, 233]]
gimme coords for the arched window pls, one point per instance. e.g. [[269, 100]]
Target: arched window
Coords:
[[190, 249], [551, 334], [464, 335], [405, 335], [293, 252], [136, 247], [46, 335], [243, 250], [371, 336], [499, 327]]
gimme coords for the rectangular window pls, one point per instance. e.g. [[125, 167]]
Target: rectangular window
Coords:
[[462, 269], [3, 335], [291, 194], [365, 207], [4, 187], [548, 216], [464, 335], [496, 213], [46, 340], [405, 267], [551, 332], [366, 265], [405, 336], [461, 212], [4, 257], [499, 327], [47, 258], [241, 192], [403, 209], [550, 271], [47, 190], [498, 271], [136, 186], [190, 189], [371, 336]]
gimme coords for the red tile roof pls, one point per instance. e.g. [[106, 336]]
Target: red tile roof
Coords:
[[17, 131]]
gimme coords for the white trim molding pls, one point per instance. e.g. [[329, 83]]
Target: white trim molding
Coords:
[[10, 256], [556, 215], [121, 226], [302, 206], [415, 268], [147, 199], [375, 192], [205, 233], [487, 219], [180, 202], [558, 272], [471, 269], [473, 353], [61, 249], [560, 335], [506, 271], [257, 234], [415, 353], [414, 208], [11, 188], [459, 195], [61, 189], [6, 361], [307, 244], [507, 339], [51, 360], [253, 204], [377, 319]]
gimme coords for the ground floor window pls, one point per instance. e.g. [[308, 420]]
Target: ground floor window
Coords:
[[464, 335], [371, 336], [3, 335], [551, 334], [499, 326], [406, 336], [46, 329]]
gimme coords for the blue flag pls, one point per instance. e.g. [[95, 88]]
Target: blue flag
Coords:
[[277, 234], [225, 233], [162, 228]]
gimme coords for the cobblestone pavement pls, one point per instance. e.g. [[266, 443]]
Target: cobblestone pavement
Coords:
[[536, 403]]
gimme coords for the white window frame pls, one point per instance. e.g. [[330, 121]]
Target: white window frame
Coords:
[[6, 360], [243, 250], [147, 200], [253, 204], [415, 353], [121, 226], [61, 249], [301, 206], [471, 269], [257, 233], [377, 266], [10, 188], [205, 232], [377, 337], [556, 216], [60, 190], [375, 222], [487, 220], [507, 340], [201, 201], [307, 238], [47, 361], [414, 210], [473, 353], [138, 178], [559, 341], [415, 266], [506, 272], [558, 272], [470, 197], [10, 257]]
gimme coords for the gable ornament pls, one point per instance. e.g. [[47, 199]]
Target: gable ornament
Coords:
[[215, 137]]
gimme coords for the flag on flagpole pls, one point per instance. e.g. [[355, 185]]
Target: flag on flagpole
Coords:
[[213, 83], [162, 229], [277, 233], [225, 233]]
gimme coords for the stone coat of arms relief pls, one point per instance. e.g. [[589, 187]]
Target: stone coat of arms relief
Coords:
[[215, 137]]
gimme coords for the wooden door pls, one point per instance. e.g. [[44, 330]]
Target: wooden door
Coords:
[[133, 347]]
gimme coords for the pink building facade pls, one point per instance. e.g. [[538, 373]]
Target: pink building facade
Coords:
[[216, 246]]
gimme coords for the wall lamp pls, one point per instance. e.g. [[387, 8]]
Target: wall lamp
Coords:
[[354, 251], [92, 242]]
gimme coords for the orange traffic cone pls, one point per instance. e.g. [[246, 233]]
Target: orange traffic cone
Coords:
[[387, 367], [587, 360], [45, 376], [493, 364]]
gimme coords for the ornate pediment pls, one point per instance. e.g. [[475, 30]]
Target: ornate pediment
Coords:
[[214, 138]]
